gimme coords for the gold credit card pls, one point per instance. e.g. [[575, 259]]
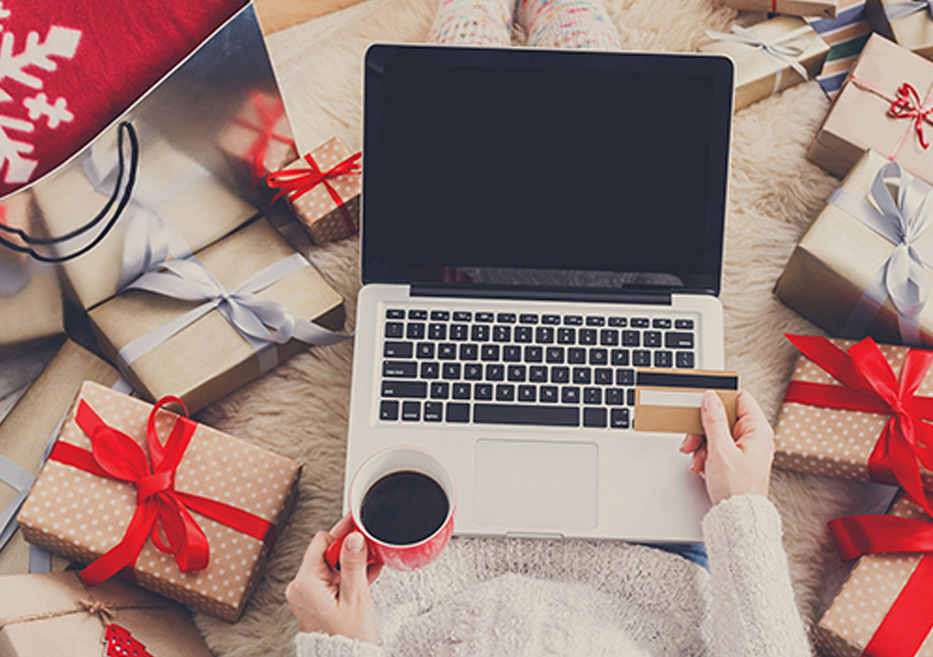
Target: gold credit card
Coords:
[[669, 400]]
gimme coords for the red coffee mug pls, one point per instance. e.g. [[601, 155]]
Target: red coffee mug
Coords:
[[398, 557]]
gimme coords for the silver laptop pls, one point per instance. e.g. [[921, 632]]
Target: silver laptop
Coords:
[[536, 226]]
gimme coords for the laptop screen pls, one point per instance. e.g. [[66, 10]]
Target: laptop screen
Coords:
[[543, 167]]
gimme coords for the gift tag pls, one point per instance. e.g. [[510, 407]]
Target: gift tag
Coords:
[[118, 642], [669, 400]]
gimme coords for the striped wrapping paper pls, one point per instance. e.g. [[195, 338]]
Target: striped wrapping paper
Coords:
[[845, 35]]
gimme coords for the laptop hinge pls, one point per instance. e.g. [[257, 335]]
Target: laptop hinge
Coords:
[[651, 296]]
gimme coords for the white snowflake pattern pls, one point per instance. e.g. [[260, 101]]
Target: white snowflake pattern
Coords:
[[61, 43]]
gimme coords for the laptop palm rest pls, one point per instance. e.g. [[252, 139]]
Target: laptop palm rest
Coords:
[[536, 485]]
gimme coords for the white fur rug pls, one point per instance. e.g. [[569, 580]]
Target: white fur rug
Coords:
[[300, 409]]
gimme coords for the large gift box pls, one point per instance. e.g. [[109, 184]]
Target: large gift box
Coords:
[[770, 56], [177, 207], [25, 435], [825, 8], [846, 409], [883, 607], [193, 511], [200, 328], [259, 137], [852, 266], [881, 106], [323, 189], [55, 614], [908, 22]]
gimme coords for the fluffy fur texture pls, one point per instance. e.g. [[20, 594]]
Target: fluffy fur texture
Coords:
[[300, 409]]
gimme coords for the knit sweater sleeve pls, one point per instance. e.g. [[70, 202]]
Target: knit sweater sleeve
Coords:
[[317, 644], [752, 608]]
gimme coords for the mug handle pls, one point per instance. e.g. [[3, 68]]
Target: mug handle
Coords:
[[332, 553]]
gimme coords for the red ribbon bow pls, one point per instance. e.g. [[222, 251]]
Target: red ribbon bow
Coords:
[[269, 115], [298, 181], [114, 455], [869, 385], [907, 105]]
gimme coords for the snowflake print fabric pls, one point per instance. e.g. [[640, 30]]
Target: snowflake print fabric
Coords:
[[68, 69]]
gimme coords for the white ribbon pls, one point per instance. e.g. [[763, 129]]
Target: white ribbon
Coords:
[[901, 221], [785, 48], [903, 9], [251, 315]]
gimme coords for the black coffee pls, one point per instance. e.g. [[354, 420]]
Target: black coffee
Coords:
[[404, 508]]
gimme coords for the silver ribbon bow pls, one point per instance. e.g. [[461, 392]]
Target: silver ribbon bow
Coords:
[[903, 9], [785, 48], [901, 221], [251, 315]]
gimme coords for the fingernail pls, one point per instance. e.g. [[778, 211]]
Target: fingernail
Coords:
[[355, 542], [709, 398]]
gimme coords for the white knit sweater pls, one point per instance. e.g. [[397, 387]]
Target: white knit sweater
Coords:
[[498, 596]]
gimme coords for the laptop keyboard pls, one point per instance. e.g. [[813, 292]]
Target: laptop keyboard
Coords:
[[523, 368]]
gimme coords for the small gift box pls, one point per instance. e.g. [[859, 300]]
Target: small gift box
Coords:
[[825, 8], [908, 22], [55, 614], [323, 189], [845, 35], [201, 327], [25, 435], [260, 136], [770, 56], [856, 272], [192, 511], [883, 106], [858, 411], [883, 607], [177, 207]]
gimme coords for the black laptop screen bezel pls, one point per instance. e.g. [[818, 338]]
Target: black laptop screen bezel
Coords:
[[718, 68]]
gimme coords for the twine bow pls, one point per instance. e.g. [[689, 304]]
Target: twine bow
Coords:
[[98, 608], [898, 10], [785, 48], [902, 219]]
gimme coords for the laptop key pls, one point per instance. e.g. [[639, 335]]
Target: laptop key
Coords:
[[480, 333], [573, 320], [388, 410], [462, 390], [394, 329], [534, 354], [678, 340], [619, 418], [625, 377], [430, 370], [451, 371], [603, 376], [516, 373], [459, 331], [425, 350], [630, 338], [566, 335], [661, 323], [630, 397], [555, 355], [615, 397], [417, 314], [473, 372], [495, 372], [433, 411], [594, 320], [400, 369], [556, 416], [411, 411], [599, 356], [506, 318], [552, 320], [523, 334], [582, 375], [395, 313], [527, 393], [544, 335], [402, 389], [683, 324], [587, 336], [548, 394], [458, 412], [397, 349], [576, 355], [685, 359], [641, 358], [440, 315], [570, 395], [489, 352], [484, 317], [463, 316], [528, 318], [594, 417], [482, 391], [446, 351], [511, 353], [663, 358], [501, 333], [620, 357], [415, 331], [618, 321], [505, 392], [652, 338], [437, 331], [592, 395], [639, 322], [440, 390], [560, 374], [609, 337], [468, 351], [537, 374]]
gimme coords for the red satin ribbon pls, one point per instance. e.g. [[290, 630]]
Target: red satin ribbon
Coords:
[[907, 105], [114, 455], [298, 181], [908, 623], [268, 116], [869, 385]]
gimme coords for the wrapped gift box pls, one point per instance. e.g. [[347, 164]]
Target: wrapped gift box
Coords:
[[867, 595], [760, 74], [260, 136], [323, 189], [833, 442], [860, 120], [26, 431], [908, 23], [825, 8], [209, 358], [55, 614], [845, 35], [178, 207], [837, 259], [82, 516]]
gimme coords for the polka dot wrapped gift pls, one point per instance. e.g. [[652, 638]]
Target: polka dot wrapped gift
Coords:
[[191, 511]]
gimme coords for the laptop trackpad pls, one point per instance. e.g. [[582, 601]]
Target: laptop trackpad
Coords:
[[536, 485]]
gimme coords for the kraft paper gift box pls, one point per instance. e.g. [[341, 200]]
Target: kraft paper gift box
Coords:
[[27, 430], [907, 22], [761, 73], [177, 207], [82, 516], [323, 190], [825, 8], [839, 257], [866, 598], [55, 614], [809, 437], [861, 118], [209, 357], [259, 137]]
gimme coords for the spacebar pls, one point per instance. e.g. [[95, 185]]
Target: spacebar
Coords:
[[559, 416]]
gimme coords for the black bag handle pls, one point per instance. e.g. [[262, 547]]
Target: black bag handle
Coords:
[[124, 129]]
